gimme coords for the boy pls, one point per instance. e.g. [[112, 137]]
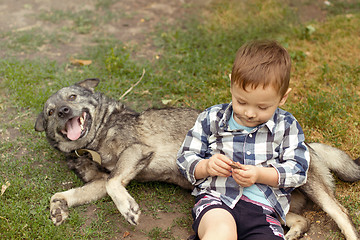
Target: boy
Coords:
[[244, 158]]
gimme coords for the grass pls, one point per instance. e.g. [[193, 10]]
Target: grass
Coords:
[[192, 71]]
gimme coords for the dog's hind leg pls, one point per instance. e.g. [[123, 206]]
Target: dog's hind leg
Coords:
[[132, 161], [324, 197], [320, 185], [298, 225], [61, 202]]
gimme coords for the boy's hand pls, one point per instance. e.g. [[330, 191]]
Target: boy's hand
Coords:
[[216, 165], [245, 175], [219, 165]]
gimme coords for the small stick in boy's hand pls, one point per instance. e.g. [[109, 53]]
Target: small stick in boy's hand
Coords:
[[234, 165]]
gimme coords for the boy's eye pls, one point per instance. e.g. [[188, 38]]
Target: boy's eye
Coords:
[[263, 108]]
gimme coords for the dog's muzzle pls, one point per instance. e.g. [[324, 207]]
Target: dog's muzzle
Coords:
[[76, 127]]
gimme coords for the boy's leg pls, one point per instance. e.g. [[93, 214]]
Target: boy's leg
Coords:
[[212, 219], [248, 220], [257, 221], [217, 223]]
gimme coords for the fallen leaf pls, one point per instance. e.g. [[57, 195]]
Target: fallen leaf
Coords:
[[166, 101], [310, 29], [4, 187], [80, 62], [126, 234]]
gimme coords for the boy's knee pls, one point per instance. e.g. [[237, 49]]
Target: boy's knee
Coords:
[[220, 231], [217, 224]]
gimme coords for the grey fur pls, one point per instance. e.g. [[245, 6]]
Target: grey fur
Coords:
[[143, 146]]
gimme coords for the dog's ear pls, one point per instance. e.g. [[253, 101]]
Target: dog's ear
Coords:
[[39, 124], [89, 83]]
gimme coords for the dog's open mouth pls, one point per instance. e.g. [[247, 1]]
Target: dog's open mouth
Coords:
[[76, 127]]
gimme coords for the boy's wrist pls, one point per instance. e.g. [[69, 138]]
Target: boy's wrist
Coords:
[[268, 176], [201, 169]]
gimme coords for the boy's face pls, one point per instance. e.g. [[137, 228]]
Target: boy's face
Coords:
[[255, 106]]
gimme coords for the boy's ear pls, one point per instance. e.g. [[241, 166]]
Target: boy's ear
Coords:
[[284, 98], [230, 79]]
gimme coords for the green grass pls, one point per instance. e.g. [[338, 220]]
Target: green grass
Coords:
[[192, 71]]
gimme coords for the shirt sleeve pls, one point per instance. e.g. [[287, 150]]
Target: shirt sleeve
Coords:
[[294, 158], [194, 147]]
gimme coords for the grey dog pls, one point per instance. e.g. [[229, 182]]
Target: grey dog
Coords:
[[143, 146]]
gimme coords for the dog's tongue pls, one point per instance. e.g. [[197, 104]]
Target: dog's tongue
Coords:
[[73, 129]]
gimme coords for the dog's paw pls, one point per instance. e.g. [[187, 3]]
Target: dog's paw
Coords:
[[126, 205], [292, 236], [132, 212], [59, 210]]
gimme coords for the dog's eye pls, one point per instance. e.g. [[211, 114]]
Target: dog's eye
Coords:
[[72, 97], [51, 112]]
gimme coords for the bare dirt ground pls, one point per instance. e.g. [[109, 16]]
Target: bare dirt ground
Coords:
[[139, 19]]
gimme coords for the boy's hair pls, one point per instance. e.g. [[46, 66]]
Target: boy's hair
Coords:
[[262, 63]]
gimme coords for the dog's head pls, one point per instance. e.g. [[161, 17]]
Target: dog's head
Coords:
[[68, 115]]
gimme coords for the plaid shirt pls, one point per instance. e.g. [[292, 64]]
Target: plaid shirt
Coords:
[[278, 143]]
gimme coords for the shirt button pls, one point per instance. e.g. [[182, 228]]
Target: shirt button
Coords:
[[250, 135], [248, 152]]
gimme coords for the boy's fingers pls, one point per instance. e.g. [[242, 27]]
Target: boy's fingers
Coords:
[[236, 165], [224, 158], [224, 168], [224, 161], [218, 167], [241, 171]]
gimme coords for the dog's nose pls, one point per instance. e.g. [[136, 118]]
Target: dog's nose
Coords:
[[64, 111]]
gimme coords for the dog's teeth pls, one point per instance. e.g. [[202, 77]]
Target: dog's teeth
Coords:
[[81, 123]]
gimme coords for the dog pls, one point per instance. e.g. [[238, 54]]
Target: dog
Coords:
[[114, 145]]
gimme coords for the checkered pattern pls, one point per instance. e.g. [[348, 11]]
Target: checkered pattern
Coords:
[[278, 143]]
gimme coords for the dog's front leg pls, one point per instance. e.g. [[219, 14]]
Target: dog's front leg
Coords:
[[132, 161], [61, 202]]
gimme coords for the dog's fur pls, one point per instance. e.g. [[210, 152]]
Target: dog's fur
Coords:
[[143, 146]]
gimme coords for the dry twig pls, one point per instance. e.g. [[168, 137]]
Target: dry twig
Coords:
[[134, 85]]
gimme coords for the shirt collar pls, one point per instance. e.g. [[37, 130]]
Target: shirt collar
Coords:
[[270, 124], [224, 121]]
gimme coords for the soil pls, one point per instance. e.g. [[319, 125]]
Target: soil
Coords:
[[140, 18], [137, 19]]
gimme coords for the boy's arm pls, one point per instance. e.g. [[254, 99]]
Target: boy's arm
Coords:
[[294, 161], [194, 160], [193, 149], [268, 176]]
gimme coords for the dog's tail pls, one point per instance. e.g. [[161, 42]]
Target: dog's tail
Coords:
[[337, 161]]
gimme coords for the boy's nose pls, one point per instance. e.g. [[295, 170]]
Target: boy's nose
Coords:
[[250, 113]]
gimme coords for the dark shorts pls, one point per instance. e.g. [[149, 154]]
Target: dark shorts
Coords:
[[254, 221]]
